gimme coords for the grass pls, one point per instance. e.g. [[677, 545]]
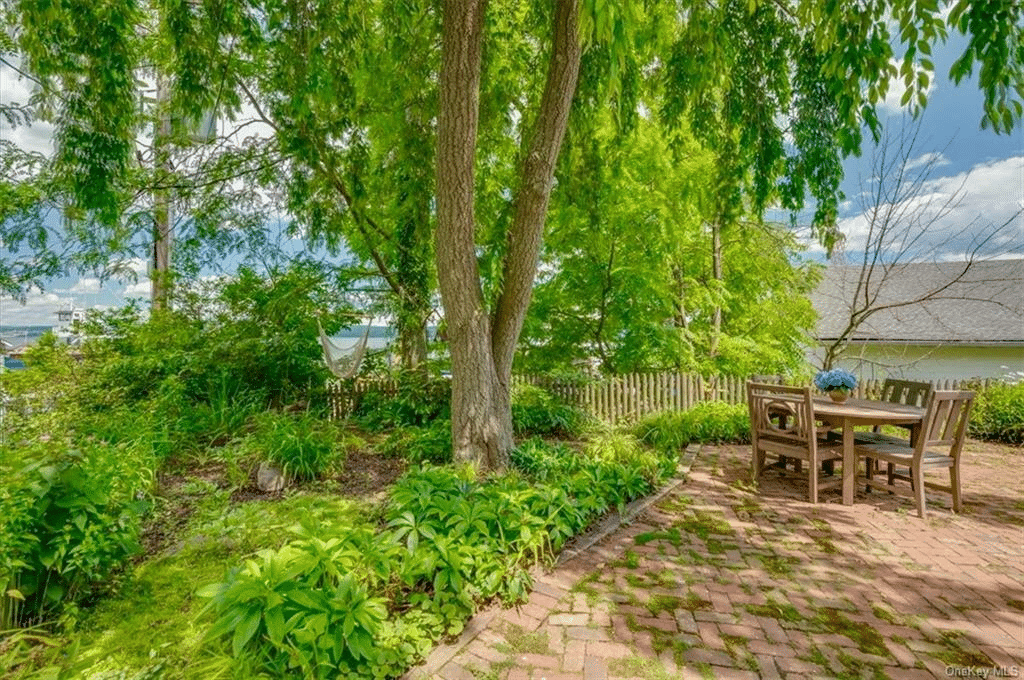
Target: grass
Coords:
[[153, 620]]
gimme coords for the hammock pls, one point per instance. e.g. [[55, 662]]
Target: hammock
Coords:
[[343, 361]]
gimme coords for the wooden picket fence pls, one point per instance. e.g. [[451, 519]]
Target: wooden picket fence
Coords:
[[624, 398]]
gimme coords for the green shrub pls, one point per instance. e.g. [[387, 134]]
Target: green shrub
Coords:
[[418, 400], [302, 446], [429, 444], [708, 422], [69, 517], [535, 411], [308, 609], [609, 471], [998, 413]]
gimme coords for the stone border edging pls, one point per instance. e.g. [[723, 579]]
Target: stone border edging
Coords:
[[444, 653]]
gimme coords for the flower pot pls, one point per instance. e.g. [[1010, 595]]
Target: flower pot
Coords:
[[838, 396]]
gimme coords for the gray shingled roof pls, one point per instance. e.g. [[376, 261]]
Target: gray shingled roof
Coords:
[[986, 306]]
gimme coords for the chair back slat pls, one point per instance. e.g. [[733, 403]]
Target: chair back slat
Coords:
[[906, 392], [945, 421], [782, 413]]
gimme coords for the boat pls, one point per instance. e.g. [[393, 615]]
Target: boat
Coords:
[[65, 329]]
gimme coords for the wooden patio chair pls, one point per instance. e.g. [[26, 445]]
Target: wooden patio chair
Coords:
[[897, 392], [782, 424], [939, 444]]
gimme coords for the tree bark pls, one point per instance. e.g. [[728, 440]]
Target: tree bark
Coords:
[[477, 433], [482, 348], [537, 176], [160, 268]]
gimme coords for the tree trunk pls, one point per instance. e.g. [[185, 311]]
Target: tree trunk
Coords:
[[478, 433], [482, 362], [716, 274], [412, 342], [160, 269]]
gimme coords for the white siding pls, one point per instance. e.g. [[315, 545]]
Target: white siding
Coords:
[[928, 362]]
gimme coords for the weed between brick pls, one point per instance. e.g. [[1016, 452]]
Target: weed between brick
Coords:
[[779, 566], [955, 656], [638, 667], [520, 641]]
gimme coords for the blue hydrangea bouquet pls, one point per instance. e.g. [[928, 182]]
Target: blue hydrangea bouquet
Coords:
[[836, 380]]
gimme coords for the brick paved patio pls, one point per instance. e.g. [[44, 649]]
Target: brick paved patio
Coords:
[[720, 580]]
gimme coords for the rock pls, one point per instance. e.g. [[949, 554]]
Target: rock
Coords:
[[270, 479]]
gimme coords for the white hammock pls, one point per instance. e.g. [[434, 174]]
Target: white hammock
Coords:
[[343, 361]]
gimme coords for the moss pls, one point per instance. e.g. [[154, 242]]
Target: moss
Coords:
[[820, 524], [674, 504], [638, 667], [671, 535], [664, 603], [630, 560], [636, 581], [855, 669], [520, 641], [826, 545], [779, 566], [884, 614], [1016, 604], [693, 602], [703, 524], [867, 638], [716, 547], [954, 655], [776, 610]]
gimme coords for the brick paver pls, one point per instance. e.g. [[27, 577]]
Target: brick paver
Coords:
[[718, 579]]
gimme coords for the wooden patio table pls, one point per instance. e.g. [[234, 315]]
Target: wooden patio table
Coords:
[[854, 412]]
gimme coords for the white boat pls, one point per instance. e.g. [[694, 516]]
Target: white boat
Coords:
[[66, 320]]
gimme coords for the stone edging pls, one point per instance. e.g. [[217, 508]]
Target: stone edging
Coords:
[[442, 654]]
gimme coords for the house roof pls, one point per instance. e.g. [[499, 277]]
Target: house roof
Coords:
[[982, 305]]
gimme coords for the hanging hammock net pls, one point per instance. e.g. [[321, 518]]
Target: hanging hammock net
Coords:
[[343, 360]]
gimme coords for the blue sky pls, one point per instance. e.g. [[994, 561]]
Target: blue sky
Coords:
[[989, 167]]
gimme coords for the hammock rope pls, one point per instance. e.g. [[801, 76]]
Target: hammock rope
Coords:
[[343, 362]]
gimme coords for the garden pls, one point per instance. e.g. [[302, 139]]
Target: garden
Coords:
[[565, 189], [137, 543]]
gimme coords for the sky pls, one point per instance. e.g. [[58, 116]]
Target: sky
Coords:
[[986, 169]]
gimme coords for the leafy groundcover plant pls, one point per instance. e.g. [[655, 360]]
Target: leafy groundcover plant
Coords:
[[363, 602], [713, 421]]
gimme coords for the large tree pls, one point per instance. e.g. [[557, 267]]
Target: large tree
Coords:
[[751, 72], [780, 89]]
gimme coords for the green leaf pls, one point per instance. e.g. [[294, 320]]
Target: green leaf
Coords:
[[245, 630]]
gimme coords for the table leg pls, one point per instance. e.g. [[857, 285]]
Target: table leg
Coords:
[[849, 463]]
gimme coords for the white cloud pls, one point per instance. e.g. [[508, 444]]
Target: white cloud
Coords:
[[892, 104], [992, 195], [38, 136], [933, 158], [86, 286], [39, 309], [139, 289]]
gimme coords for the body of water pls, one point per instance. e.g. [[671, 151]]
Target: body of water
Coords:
[[18, 337]]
